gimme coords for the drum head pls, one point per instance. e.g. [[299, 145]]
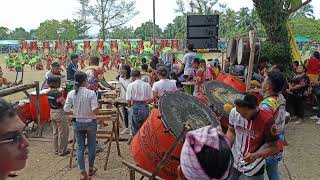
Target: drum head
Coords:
[[232, 50], [219, 94], [240, 51], [177, 108]]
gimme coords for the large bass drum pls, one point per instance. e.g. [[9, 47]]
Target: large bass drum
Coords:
[[243, 51], [160, 130], [219, 94], [232, 51]]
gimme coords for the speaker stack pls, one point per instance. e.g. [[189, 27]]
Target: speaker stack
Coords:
[[202, 31]]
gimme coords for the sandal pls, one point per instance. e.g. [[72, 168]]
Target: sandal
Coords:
[[84, 176], [93, 171]]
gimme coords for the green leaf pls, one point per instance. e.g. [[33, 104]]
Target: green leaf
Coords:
[[295, 3]]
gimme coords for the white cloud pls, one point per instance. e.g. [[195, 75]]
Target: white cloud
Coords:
[[30, 13]]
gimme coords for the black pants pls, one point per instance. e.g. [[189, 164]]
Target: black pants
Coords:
[[316, 93], [295, 105]]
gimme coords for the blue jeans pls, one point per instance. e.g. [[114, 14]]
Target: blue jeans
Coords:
[[235, 175], [272, 169], [138, 114], [81, 131]]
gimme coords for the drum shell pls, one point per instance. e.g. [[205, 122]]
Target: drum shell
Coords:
[[235, 83], [44, 106], [221, 76], [243, 51], [151, 143], [24, 113]]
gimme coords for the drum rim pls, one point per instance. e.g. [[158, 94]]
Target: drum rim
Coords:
[[217, 105], [205, 107]]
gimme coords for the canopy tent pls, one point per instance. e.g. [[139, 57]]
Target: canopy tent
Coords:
[[302, 39], [9, 42]]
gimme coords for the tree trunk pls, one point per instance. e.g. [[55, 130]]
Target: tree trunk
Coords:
[[274, 19]]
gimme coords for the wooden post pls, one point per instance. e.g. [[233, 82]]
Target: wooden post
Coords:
[[38, 108], [252, 40]]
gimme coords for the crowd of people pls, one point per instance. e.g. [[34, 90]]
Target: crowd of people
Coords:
[[253, 143]]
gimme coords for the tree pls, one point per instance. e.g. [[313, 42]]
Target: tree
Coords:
[[20, 34], [53, 30], [176, 29], [122, 33], [274, 16], [84, 11], [305, 12], [109, 14], [307, 27], [4, 33], [202, 7], [145, 31], [81, 28]]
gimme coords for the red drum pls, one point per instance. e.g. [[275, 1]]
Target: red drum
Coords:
[[160, 130], [221, 76], [218, 94], [235, 83], [44, 106], [24, 112]]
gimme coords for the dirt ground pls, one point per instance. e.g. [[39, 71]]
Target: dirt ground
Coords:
[[301, 162]]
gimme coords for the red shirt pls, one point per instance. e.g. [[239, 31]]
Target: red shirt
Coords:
[[313, 66]]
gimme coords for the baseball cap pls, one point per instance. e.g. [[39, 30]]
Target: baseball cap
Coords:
[[246, 100]]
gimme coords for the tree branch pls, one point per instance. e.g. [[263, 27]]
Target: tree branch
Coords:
[[297, 8]]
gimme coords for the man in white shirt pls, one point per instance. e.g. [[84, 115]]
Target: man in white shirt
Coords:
[[187, 62], [138, 95]]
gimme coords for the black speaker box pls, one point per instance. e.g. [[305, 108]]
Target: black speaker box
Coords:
[[202, 32], [204, 43], [202, 20]]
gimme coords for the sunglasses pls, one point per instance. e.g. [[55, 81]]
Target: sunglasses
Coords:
[[16, 139]]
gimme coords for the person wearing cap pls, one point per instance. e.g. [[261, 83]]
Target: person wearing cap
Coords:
[[72, 67], [54, 71], [205, 155], [253, 136], [138, 95]]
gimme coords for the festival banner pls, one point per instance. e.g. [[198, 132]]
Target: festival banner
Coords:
[[100, 47], [87, 47], [34, 47], [24, 47], [70, 47], [45, 47], [175, 45], [114, 46], [58, 46]]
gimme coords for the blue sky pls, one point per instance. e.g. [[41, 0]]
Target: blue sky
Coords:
[[30, 13]]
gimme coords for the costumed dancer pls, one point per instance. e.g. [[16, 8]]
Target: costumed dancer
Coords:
[[83, 105], [205, 155]]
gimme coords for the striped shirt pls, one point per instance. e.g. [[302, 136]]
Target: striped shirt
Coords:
[[251, 135], [82, 104]]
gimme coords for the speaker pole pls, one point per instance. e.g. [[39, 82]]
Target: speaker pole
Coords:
[[154, 26]]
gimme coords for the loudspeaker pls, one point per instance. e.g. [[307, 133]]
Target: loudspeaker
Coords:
[[202, 31], [207, 43], [202, 20]]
